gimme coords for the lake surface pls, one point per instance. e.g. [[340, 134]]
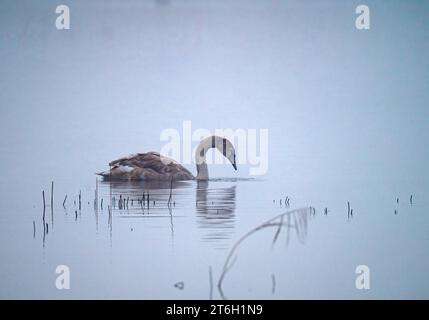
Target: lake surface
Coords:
[[346, 113], [146, 251]]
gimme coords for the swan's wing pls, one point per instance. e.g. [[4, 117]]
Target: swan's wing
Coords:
[[137, 159], [148, 165]]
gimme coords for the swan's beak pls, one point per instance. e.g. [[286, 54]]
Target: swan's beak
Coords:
[[235, 166]]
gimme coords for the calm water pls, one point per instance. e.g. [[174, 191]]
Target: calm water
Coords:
[[142, 252], [347, 118]]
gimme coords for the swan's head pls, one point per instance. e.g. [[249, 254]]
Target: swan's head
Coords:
[[228, 151]]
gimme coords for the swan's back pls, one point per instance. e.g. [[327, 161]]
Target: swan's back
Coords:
[[146, 166]]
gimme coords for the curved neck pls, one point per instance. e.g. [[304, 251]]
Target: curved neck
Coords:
[[200, 155]]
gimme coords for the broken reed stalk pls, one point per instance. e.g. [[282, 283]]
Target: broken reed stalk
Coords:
[[148, 199], [231, 258], [64, 202], [171, 192], [141, 202], [287, 203], [278, 231], [101, 204], [80, 199], [34, 229], [348, 209], [44, 205]]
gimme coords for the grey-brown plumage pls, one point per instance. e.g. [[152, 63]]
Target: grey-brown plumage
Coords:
[[153, 166], [146, 166]]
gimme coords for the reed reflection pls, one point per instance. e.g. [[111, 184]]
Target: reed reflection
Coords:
[[214, 206], [136, 197]]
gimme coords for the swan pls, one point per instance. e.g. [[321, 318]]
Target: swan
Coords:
[[153, 166]]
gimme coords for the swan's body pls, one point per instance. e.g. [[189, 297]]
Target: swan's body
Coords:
[[153, 166]]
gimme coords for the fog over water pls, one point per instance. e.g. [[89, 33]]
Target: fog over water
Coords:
[[347, 118]]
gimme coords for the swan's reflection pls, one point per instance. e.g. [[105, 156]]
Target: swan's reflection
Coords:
[[137, 188], [216, 212], [214, 206], [145, 199]]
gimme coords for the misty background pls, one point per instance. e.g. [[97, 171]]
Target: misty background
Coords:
[[335, 99], [347, 114]]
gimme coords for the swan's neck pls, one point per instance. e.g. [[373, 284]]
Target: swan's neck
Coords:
[[202, 171], [200, 161], [200, 157]]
